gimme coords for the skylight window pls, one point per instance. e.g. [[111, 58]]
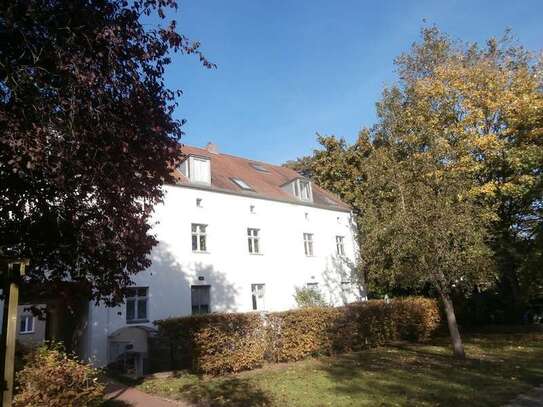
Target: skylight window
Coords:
[[330, 201], [259, 167], [242, 184]]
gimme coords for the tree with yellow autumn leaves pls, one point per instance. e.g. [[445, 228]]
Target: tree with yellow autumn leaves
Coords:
[[447, 187]]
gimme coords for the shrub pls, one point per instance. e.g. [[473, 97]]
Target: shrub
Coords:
[[309, 297], [220, 343], [217, 343], [52, 378], [296, 334]]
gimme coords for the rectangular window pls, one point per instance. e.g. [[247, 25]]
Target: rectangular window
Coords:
[[200, 299], [253, 240], [26, 324], [199, 243], [258, 292], [308, 244], [340, 248], [136, 305], [200, 170], [305, 191]]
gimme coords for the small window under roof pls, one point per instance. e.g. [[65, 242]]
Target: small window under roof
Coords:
[[242, 184], [259, 167]]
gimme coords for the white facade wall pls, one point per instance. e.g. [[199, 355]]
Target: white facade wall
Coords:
[[228, 267]]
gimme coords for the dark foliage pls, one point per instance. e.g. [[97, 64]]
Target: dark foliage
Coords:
[[87, 136]]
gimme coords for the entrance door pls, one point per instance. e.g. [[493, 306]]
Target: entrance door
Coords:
[[258, 293]]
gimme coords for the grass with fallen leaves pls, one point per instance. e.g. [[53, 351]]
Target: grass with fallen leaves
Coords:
[[499, 366]]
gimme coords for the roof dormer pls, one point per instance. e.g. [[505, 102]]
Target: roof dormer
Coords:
[[197, 169], [300, 188]]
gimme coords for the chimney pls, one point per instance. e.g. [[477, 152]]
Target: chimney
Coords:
[[212, 148]]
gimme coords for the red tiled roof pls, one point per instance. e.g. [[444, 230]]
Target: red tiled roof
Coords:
[[224, 167]]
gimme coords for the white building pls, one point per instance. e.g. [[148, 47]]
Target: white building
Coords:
[[234, 235]]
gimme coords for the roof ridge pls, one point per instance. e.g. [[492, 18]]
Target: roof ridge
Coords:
[[237, 156]]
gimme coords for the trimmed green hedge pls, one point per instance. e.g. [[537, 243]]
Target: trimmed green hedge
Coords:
[[221, 343]]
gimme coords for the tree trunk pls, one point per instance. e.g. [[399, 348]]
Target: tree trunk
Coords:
[[458, 346]]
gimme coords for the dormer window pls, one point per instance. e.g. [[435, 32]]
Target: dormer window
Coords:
[[197, 169], [242, 184], [300, 188]]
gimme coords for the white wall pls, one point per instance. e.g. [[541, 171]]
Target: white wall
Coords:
[[35, 337], [228, 267]]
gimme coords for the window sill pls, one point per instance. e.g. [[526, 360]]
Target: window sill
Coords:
[[27, 333], [256, 254], [200, 252], [137, 321]]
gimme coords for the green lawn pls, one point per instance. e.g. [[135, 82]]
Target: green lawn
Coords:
[[499, 366]]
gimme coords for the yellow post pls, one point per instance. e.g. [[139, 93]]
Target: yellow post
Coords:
[[11, 336]]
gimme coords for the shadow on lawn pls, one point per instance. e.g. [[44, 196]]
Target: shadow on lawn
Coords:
[[409, 374], [235, 392]]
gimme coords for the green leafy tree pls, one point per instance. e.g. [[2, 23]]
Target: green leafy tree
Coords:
[[417, 227], [484, 105], [448, 184]]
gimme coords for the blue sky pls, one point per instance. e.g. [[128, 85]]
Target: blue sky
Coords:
[[287, 69]]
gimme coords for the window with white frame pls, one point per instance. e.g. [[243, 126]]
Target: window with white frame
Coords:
[[26, 324], [253, 239], [200, 170], [340, 247], [258, 293], [305, 190], [199, 237], [302, 189], [259, 167], [308, 244], [242, 184], [136, 304], [200, 299]]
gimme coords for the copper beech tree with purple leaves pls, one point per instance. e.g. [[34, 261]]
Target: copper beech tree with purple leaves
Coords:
[[87, 137]]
